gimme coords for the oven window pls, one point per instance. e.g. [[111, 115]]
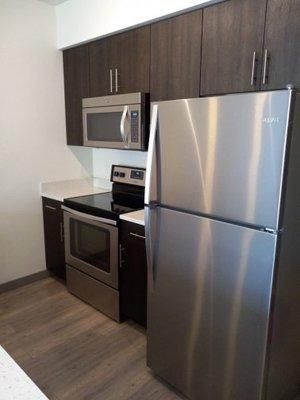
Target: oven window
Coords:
[[104, 126], [90, 243]]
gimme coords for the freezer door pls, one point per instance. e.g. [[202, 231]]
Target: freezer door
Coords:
[[209, 306], [222, 156]]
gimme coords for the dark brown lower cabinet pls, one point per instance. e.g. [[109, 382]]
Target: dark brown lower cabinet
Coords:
[[133, 272], [54, 237]]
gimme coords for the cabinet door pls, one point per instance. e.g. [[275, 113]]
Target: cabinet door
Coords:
[[54, 237], [133, 273], [102, 67], [282, 43], [76, 74], [175, 57], [232, 46], [120, 63], [132, 59]]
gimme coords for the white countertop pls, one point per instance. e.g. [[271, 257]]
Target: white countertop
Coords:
[[14, 383], [73, 188], [137, 217]]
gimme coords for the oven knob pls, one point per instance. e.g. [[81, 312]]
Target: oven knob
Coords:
[[122, 174]]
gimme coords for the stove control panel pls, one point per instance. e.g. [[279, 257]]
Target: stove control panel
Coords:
[[129, 175]]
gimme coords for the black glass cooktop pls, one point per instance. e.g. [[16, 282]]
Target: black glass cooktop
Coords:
[[106, 205]]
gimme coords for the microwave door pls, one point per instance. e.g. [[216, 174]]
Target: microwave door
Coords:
[[102, 127]]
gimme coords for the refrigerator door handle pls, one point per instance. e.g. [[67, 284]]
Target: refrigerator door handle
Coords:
[[150, 233], [151, 169]]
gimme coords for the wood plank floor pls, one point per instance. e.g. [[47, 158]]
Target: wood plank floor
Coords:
[[73, 352]]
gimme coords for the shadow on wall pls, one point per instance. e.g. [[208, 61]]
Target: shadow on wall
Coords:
[[85, 157]]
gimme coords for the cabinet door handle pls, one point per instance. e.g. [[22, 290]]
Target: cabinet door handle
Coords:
[[136, 235], [61, 232], [111, 80], [50, 207], [116, 80], [120, 255], [266, 67], [254, 69]]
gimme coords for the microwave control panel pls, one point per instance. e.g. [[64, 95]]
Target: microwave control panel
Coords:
[[129, 175], [134, 126]]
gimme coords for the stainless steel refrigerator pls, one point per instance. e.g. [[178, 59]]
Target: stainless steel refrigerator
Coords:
[[222, 234]]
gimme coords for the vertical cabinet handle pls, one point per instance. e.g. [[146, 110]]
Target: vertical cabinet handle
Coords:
[[61, 232], [254, 69], [116, 80], [266, 67], [120, 255], [111, 80]]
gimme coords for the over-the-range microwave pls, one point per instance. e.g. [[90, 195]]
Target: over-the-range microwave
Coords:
[[118, 121]]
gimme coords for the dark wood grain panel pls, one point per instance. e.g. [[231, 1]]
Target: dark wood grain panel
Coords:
[[175, 57], [133, 275], [54, 237], [282, 40], [101, 62], [76, 75], [132, 58], [232, 32]]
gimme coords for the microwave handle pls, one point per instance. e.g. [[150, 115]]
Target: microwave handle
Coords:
[[122, 126]]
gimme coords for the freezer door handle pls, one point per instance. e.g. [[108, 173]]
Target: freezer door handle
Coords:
[[150, 233], [151, 170]]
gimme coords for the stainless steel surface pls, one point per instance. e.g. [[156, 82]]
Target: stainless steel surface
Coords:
[[151, 243], [265, 69], [127, 171], [209, 308], [50, 207], [115, 100], [88, 216], [122, 126], [111, 80], [254, 68], [221, 156], [113, 109], [138, 236], [93, 292], [283, 373], [61, 232], [110, 278], [116, 80], [151, 170]]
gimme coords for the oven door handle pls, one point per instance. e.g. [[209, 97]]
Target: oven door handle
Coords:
[[122, 126], [88, 216]]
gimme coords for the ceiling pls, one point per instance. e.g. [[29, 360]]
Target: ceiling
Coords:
[[53, 2]]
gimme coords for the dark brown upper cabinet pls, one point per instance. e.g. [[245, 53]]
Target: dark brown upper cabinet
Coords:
[[282, 45], [76, 75], [120, 63], [176, 57], [232, 46]]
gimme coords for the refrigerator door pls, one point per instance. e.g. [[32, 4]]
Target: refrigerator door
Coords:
[[209, 307], [221, 156]]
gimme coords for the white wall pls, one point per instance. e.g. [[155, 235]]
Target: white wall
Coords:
[[32, 132], [104, 158], [82, 20]]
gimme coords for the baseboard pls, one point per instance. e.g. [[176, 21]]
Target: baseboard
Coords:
[[4, 287]]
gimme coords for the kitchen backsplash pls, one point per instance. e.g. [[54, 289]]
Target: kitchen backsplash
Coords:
[[103, 159]]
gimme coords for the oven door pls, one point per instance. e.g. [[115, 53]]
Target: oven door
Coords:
[[112, 127], [91, 245]]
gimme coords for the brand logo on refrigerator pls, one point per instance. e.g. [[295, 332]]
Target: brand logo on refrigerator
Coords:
[[271, 120]]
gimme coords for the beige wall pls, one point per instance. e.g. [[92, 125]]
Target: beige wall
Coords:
[[32, 132]]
